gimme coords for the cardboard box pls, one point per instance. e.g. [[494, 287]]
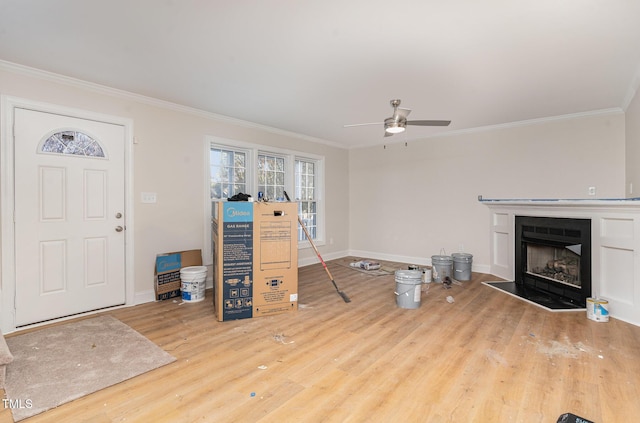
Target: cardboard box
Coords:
[[255, 259], [167, 271], [233, 260], [275, 262]]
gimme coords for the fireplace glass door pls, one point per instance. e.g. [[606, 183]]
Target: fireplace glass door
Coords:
[[559, 264]]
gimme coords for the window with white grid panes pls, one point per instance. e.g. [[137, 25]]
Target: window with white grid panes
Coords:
[[271, 176], [237, 167], [228, 172], [305, 193]]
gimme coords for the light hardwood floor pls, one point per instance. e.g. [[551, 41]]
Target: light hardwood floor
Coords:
[[487, 357]]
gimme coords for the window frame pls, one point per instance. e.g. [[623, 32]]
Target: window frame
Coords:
[[252, 152], [317, 174], [249, 171], [288, 171]]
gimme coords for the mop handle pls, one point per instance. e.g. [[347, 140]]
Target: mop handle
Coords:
[[306, 232]]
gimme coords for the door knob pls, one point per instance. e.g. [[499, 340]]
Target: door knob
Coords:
[[119, 228], [118, 215]]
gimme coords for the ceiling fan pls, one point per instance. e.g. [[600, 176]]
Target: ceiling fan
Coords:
[[398, 122]]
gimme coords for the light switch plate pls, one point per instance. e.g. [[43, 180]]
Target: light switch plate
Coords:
[[148, 197]]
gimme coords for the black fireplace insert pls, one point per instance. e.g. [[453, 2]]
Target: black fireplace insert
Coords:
[[553, 260]]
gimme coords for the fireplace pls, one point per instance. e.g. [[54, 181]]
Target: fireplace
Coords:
[[614, 250], [553, 261]]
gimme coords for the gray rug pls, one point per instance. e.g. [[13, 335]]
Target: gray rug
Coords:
[[61, 363]]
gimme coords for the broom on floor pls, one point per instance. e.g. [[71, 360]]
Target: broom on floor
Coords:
[[306, 232]]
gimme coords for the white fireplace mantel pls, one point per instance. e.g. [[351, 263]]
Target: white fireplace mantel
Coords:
[[615, 244]]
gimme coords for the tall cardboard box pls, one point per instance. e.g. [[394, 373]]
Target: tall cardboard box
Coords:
[[275, 258], [255, 259], [233, 260]]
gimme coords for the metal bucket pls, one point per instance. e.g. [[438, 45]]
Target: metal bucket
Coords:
[[408, 288], [462, 266], [442, 267], [597, 310]]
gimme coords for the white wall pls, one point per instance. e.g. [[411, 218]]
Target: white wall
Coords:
[[407, 203], [632, 154], [168, 159]]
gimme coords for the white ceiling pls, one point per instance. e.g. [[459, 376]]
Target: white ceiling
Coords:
[[310, 67]]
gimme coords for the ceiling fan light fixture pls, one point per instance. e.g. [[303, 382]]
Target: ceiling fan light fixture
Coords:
[[395, 129], [397, 123], [393, 126]]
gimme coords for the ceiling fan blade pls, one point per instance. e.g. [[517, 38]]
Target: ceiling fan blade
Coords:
[[429, 122], [363, 124], [402, 112]]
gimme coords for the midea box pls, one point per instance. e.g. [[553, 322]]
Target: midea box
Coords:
[[255, 259]]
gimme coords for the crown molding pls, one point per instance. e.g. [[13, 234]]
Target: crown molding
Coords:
[[150, 101], [139, 98], [530, 122]]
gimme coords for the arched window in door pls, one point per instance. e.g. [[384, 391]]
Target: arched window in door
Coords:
[[72, 142]]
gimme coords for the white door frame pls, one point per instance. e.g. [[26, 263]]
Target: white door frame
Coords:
[[8, 104]]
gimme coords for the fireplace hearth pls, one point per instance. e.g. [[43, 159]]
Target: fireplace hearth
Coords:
[[552, 262]]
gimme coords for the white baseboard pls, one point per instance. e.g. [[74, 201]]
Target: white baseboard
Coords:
[[326, 257], [144, 297], [421, 261]]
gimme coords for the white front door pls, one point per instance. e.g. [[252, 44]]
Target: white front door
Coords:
[[69, 215]]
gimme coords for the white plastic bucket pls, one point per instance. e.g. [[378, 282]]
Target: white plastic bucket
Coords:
[[193, 280], [408, 288], [442, 268], [462, 266]]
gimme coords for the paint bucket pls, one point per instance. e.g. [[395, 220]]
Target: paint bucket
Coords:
[[598, 310], [408, 288], [193, 283], [462, 266], [426, 274], [442, 267]]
